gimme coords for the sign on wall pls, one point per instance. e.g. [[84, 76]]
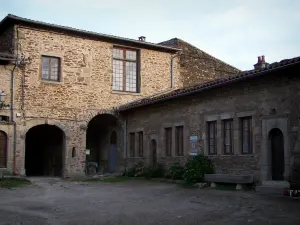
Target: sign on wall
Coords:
[[193, 145]]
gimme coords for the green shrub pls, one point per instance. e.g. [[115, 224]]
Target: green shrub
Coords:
[[154, 172], [175, 172], [196, 167], [137, 170]]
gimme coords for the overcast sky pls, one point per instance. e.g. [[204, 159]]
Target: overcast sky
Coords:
[[235, 31]]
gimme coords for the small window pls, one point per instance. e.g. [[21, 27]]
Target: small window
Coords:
[[168, 132], [212, 137], [179, 140], [132, 144], [50, 68], [228, 136], [246, 134], [125, 70], [73, 152], [4, 118], [141, 144]]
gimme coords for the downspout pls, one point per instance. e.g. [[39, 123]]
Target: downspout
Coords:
[[12, 91], [125, 145]]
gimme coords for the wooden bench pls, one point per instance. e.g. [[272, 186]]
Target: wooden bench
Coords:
[[239, 180]]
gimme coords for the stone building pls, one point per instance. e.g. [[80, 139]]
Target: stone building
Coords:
[[62, 85], [247, 124]]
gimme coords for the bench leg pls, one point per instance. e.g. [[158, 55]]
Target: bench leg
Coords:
[[213, 185], [239, 187]]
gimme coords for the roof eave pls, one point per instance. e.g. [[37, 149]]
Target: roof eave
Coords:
[[11, 19]]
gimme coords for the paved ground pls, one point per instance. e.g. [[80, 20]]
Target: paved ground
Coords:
[[54, 201]]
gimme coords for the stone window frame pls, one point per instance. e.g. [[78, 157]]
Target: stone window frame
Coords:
[[130, 145], [61, 74], [136, 143], [138, 66], [163, 138]]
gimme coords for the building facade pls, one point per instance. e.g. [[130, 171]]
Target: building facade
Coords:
[[247, 124], [62, 86]]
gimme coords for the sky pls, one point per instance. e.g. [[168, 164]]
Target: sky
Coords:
[[235, 31]]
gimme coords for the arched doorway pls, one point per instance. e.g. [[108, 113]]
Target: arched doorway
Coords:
[[3, 149], [153, 148], [277, 153], [44, 151], [101, 140], [112, 153]]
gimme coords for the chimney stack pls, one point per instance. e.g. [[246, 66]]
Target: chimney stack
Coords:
[[261, 63], [142, 38]]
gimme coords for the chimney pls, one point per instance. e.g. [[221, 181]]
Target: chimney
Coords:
[[142, 38], [261, 63]]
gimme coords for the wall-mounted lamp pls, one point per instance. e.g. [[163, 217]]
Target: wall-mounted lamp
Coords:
[[2, 100]]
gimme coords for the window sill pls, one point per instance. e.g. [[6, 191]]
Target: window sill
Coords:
[[51, 82], [125, 93]]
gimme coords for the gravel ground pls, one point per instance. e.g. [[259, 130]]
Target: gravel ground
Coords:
[[55, 201]]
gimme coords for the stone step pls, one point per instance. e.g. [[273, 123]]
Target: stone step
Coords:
[[275, 190]]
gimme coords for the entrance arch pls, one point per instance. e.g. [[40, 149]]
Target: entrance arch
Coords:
[[153, 147], [3, 149], [277, 153], [101, 140], [44, 151]]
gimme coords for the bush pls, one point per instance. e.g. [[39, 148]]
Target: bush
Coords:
[[196, 167], [175, 172], [137, 170], [154, 172]]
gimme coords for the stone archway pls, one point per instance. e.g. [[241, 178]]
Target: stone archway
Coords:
[[44, 151], [276, 145], [3, 149], [101, 140]]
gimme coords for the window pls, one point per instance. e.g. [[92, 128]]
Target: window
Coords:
[[228, 136], [50, 68], [168, 141], [132, 144], [212, 137], [73, 152], [141, 143], [246, 129], [125, 70], [179, 140]]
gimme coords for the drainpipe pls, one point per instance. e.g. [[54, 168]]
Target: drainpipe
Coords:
[[125, 144], [12, 90]]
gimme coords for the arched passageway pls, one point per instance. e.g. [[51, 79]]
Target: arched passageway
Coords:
[[44, 151], [101, 140]]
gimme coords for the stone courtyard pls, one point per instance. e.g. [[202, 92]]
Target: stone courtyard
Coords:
[[56, 201]]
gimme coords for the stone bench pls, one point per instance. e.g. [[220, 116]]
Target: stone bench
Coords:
[[239, 180]]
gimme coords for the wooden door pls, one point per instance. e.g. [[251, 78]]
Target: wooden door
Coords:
[[3, 149]]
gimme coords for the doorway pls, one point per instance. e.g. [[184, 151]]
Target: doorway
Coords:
[[277, 152], [112, 153], [44, 151], [3, 149], [154, 152]]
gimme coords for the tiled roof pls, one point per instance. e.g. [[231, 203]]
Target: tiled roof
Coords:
[[19, 20], [209, 85]]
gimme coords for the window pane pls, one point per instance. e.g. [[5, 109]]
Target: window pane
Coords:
[[131, 82], [117, 75], [131, 55], [169, 141], [132, 145], [45, 67], [140, 144], [179, 140], [54, 68], [118, 53], [212, 134]]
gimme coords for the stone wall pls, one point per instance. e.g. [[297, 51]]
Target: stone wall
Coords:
[[256, 98], [84, 91], [196, 66]]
